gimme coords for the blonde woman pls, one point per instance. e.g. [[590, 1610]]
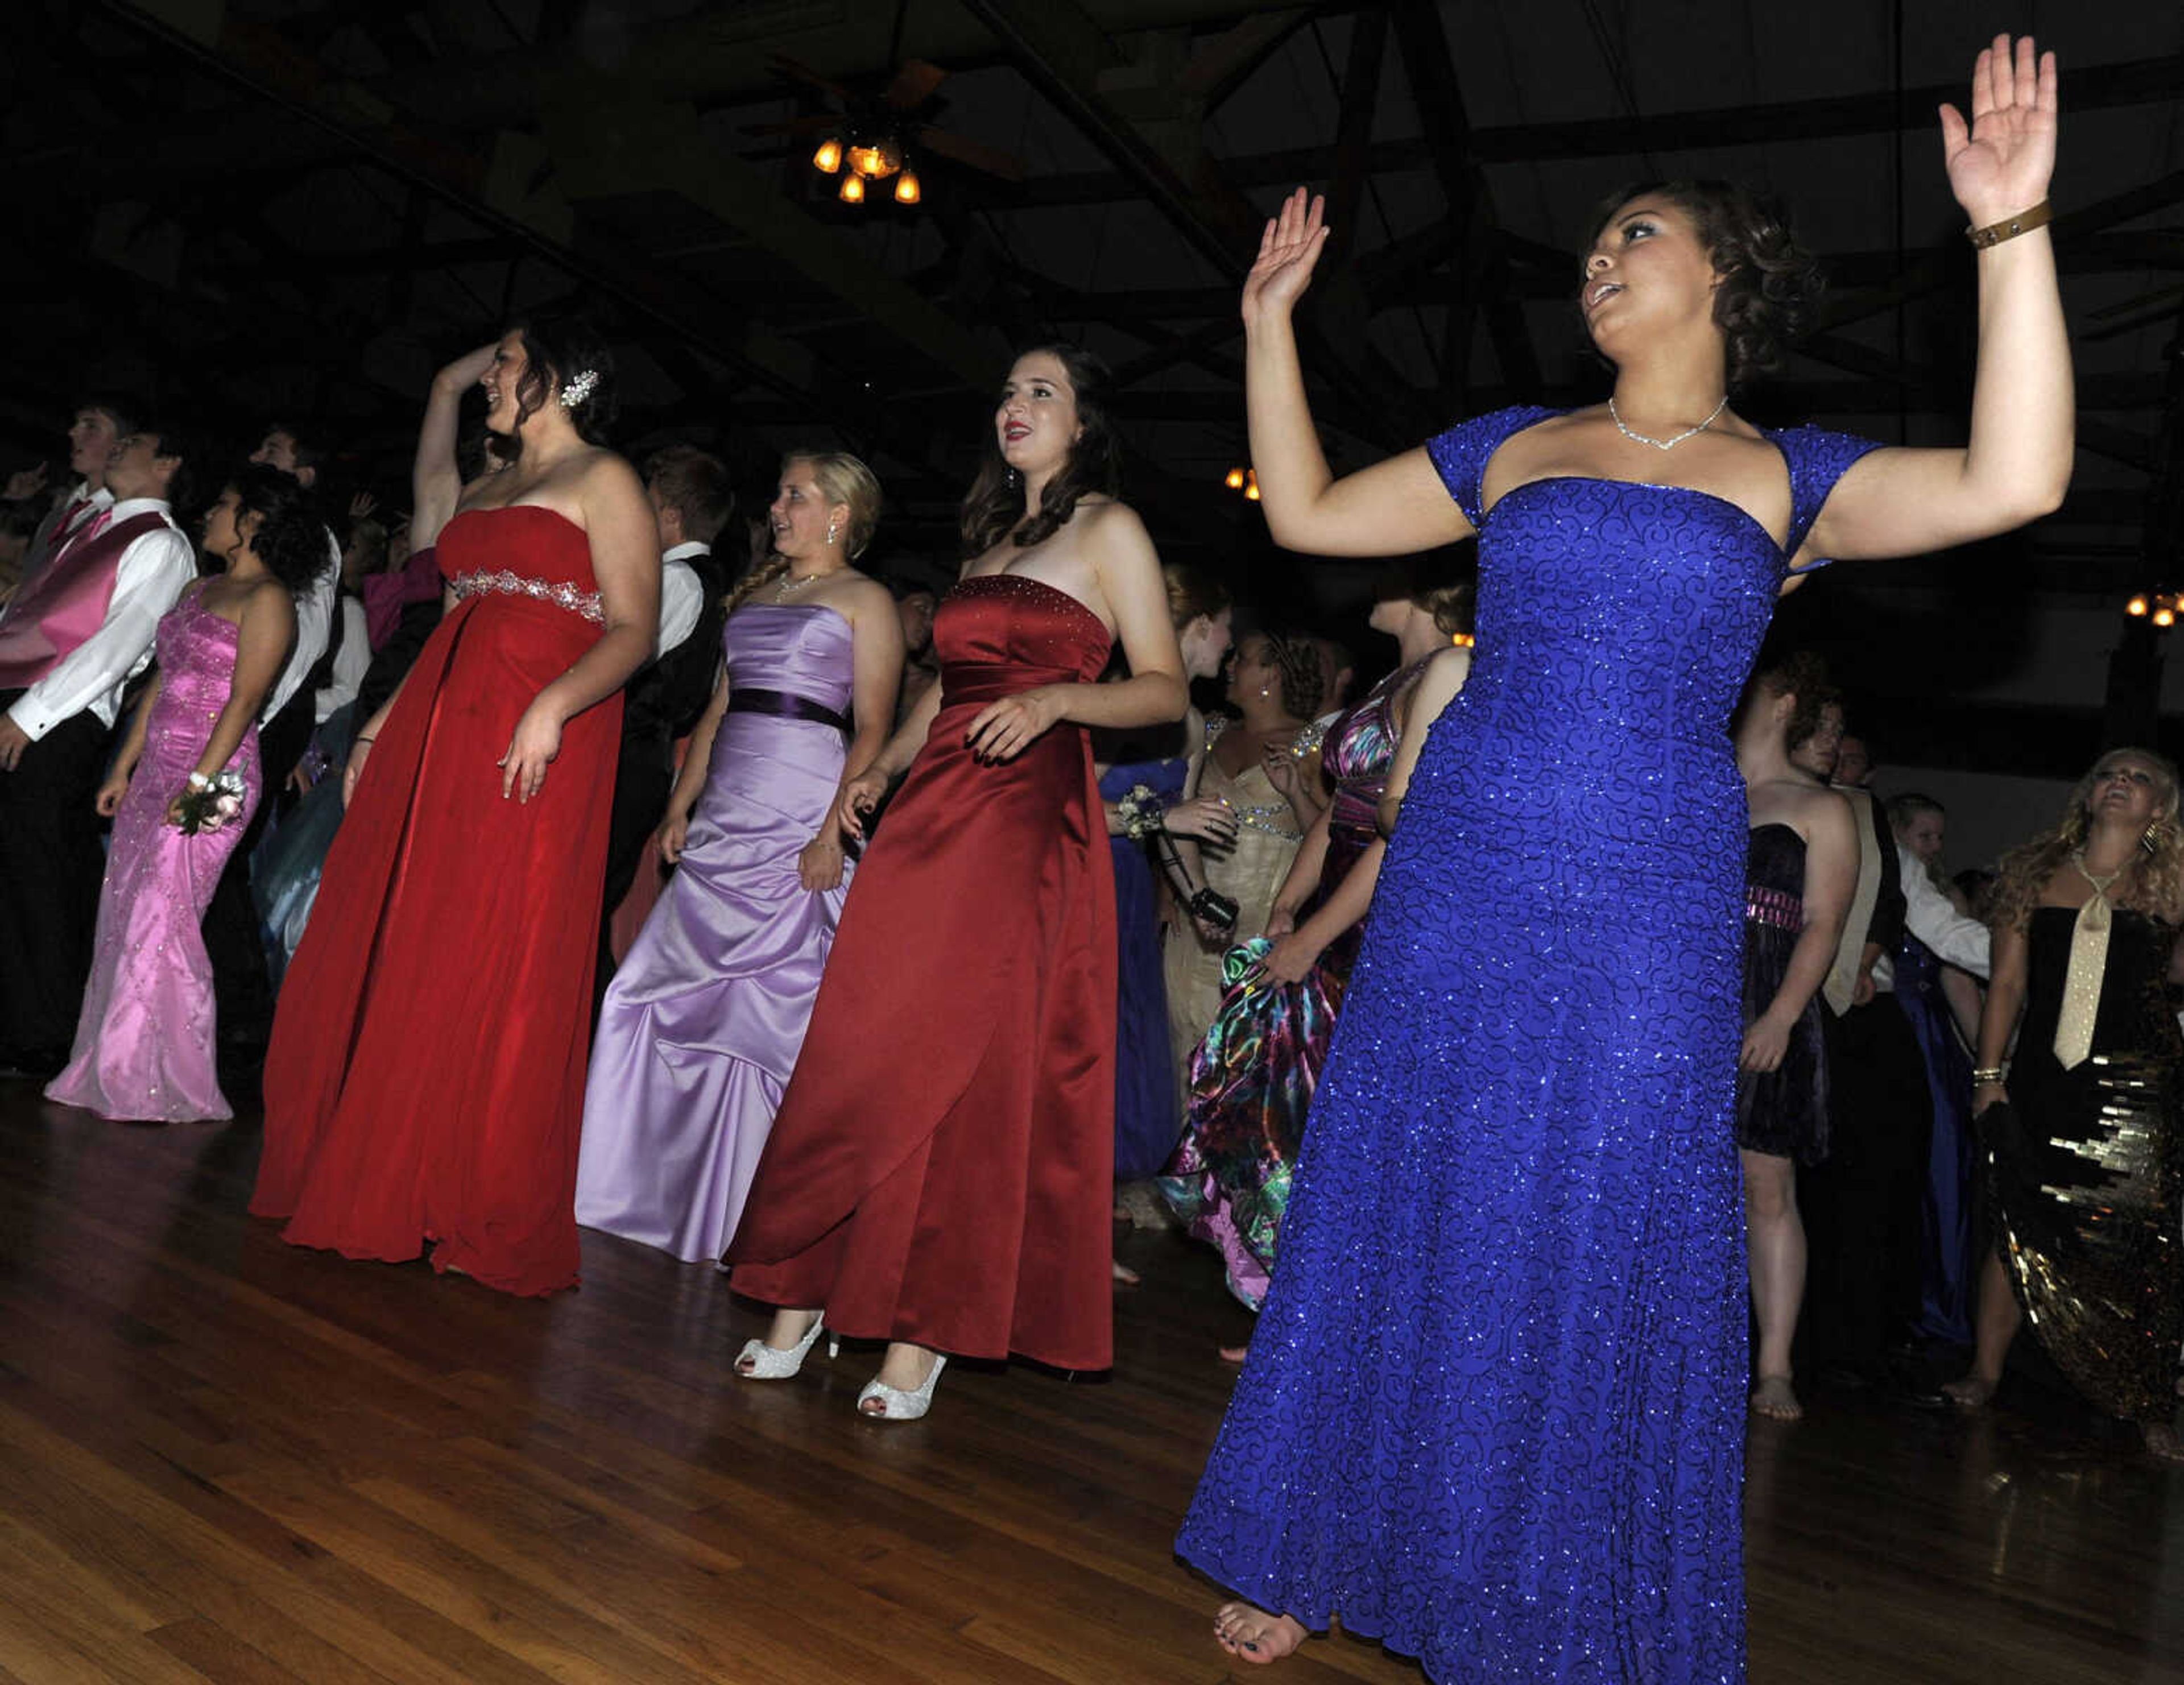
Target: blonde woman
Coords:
[[703, 1022], [2084, 1150]]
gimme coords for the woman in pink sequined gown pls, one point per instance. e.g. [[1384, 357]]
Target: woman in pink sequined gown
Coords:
[[426, 1079], [144, 1042]]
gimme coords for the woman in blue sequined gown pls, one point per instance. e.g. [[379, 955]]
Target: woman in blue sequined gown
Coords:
[[1493, 1413]]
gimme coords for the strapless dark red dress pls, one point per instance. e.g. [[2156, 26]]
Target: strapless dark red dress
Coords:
[[941, 1168], [425, 1080]]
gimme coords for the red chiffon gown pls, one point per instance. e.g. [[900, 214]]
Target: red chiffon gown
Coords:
[[426, 1079], [941, 1168]]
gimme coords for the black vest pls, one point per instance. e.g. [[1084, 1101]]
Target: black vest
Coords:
[[664, 700]]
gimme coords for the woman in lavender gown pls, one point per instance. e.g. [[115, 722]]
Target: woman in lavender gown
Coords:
[[144, 1044], [703, 1022]]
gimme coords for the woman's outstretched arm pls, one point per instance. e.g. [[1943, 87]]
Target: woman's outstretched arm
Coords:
[[1390, 509], [2016, 463]]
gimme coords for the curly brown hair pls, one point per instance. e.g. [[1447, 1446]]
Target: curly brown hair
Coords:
[[2153, 883], [1770, 285], [1803, 675]]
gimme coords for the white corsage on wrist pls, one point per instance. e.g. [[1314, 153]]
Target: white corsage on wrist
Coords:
[[210, 803]]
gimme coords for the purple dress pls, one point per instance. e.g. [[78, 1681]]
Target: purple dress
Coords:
[[703, 1022], [144, 1042]]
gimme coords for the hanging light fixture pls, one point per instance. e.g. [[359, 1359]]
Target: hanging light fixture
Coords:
[[2160, 607], [908, 191], [1251, 484], [853, 188], [1236, 480], [828, 158]]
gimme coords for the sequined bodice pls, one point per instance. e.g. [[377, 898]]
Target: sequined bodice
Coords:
[[2133, 1014], [1617, 622], [997, 634], [1251, 794], [1358, 753], [799, 649], [1774, 877], [197, 653]]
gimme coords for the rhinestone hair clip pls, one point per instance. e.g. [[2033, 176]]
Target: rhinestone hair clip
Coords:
[[578, 387]]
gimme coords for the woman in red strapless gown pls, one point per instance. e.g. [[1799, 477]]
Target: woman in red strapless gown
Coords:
[[425, 1079], [939, 1174]]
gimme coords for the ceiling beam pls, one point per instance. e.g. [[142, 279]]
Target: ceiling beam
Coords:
[[1063, 53], [1483, 268], [2145, 82]]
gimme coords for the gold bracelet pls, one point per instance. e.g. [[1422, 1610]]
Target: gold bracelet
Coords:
[[2011, 227], [1993, 1073]]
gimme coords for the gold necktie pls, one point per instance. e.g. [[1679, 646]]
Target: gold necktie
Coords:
[[2082, 985]]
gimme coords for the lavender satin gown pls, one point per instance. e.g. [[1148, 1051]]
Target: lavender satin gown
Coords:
[[144, 1049], [703, 1022]]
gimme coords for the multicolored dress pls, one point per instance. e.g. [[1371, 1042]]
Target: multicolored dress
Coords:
[[1252, 1077], [1249, 874]]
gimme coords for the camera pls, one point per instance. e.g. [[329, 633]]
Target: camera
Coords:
[[1211, 907]]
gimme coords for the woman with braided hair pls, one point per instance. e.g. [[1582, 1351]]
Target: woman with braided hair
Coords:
[[1274, 684]]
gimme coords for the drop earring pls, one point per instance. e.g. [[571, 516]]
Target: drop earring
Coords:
[[1015, 479], [833, 531]]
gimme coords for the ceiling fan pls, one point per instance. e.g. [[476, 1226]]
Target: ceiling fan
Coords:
[[875, 132]]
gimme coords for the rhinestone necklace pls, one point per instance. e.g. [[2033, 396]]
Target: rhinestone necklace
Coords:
[[793, 580], [1664, 444]]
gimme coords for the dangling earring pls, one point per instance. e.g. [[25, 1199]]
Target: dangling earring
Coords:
[[833, 531], [1265, 690], [2156, 834], [1015, 479]]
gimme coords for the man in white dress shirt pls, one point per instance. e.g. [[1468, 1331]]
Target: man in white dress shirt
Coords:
[[70, 640], [692, 499]]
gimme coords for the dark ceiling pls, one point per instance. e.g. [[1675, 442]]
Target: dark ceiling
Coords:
[[283, 208]]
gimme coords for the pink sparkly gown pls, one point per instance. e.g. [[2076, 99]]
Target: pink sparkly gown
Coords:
[[144, 1042]]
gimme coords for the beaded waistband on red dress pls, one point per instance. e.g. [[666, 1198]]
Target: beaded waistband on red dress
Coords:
[[560, 592]]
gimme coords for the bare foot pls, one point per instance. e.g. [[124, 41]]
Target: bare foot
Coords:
[[1776, 1400], [1125, 1275], [1255, 1636], [1970, 1394], [1235, 1354], [2162, 1442]]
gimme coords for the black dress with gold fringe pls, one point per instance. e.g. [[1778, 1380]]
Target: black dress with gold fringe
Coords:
[[2086, 1167]]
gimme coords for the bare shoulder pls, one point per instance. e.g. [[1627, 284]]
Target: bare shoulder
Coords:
[[1816, 807], [599, 470], [1108, 523], [861, 593]]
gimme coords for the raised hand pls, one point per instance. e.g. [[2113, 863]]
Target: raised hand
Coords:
[[25, 483], [2001, 164], [1288, 250]]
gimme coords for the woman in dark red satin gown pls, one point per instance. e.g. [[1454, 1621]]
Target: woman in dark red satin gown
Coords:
[[939, 1174], [426, 1079]]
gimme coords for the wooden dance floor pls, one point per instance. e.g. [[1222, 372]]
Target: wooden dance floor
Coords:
[[221, 1458]]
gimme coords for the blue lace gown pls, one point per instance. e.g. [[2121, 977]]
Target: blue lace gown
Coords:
[[1494, 1410]]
